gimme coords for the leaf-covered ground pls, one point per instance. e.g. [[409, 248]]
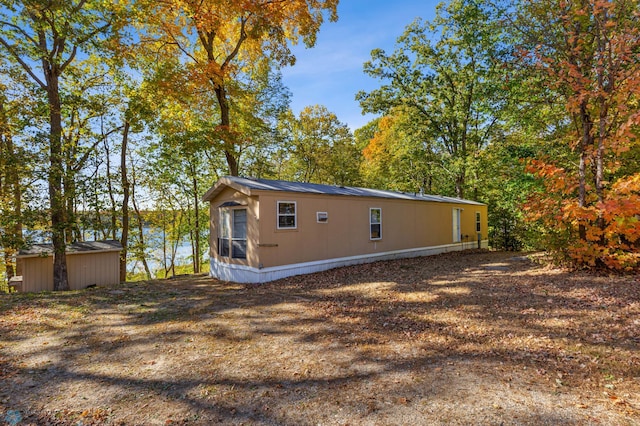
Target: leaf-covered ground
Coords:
[[461, 338]]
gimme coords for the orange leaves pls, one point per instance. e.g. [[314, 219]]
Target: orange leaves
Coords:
[[555, 179], [575, 214], [590, 207], [629, 185], [603, 234], [378, 145], [621, 211], [542, 169], [216, 34], [203, 74]]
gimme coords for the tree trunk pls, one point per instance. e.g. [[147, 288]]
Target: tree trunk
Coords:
[[56, 195], [460, 178], [17, 208], [10, 193], [196, 201], [164, 247], [72, 231], [585, 142], [112, 198], [174, 241], [143, 258], [124, 240], [599, 160], [225, 125], [602, 124]]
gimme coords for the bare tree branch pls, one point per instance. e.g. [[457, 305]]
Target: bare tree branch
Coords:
[[22, 63]]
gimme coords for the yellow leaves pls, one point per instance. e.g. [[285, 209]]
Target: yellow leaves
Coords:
[[628, 185], [222, 36], [215, 46], [208, 73], [593, 234], [271, 23]]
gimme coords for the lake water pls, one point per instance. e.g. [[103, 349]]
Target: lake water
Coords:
[[154, 252]]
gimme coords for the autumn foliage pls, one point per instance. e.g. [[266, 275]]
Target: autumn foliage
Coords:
[[590, 204], [611, 227], [225, 42]]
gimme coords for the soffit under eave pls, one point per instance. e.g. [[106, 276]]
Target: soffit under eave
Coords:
[[221, 185]]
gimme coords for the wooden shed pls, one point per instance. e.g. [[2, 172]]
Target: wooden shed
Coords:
[[262, 230], [88, 263]]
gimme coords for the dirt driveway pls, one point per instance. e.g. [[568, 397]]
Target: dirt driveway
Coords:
[[463, 338]]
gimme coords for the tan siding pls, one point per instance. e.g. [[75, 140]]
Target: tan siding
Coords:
[[93, 268], [83, 270], [405, 224], [37, 274], [229, 195], [78, 269]]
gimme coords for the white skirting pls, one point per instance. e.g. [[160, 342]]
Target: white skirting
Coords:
[[246, 274]]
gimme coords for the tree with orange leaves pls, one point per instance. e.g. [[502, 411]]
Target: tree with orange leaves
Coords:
[[222, 40], [398, 157], [588, 53]]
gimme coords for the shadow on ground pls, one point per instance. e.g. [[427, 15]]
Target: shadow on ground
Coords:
[[462, 338]]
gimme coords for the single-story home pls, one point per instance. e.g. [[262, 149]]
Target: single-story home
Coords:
[[263, 230], [88, 263]]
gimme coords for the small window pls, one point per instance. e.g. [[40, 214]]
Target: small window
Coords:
[[375, 224], [287, 215], [322, 217], [478, 227]]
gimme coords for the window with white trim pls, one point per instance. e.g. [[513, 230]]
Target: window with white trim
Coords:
[[375, 223], [287, 218], [478, 225], [456, 225], [232, 237], [239, 235], [322, 217]]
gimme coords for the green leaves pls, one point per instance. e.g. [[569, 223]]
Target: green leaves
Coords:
[[445, 77], [317, 148]]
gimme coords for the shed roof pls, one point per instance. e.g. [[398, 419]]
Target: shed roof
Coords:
[[246, 185], [74, 248]]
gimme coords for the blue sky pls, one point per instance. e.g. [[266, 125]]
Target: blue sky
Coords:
[[330, 73]]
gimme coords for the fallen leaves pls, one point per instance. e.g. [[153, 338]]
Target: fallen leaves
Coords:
[[357, 341]]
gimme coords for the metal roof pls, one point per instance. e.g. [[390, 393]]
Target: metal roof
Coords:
[[78, 247], [314, 188]]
